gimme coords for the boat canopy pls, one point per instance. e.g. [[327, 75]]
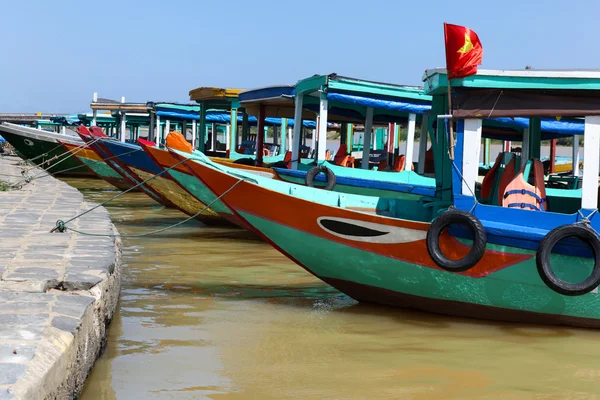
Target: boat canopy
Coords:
[[348, 99], [539, 104], [277, 101], [528, 93], [222, 98], [191, 112]]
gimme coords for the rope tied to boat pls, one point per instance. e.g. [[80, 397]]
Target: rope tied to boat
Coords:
[[586, 220], [78, 166], [121, 193], [66, 152], [61, 225]]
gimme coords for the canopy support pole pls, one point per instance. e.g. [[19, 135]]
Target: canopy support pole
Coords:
[[591, 156], [391, 143], [158, 131], [552, 156], [349, 137], [260, 136], [535, 133], [575, 156], [123, 126], [297, 136], [486, 152], [525, 145], [213, 137], [423, 144], [245, 125], [283, 133], [233, 143], [322, 126], [202, 128], [227, 138], [470, 153], [367, 138], [194, 133], [152, 125], [313, 139], [410, 142]]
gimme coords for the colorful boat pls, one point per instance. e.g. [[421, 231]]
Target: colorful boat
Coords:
[[96, 164], [509, 263], [92, 137], [137, 163], [43, 149]]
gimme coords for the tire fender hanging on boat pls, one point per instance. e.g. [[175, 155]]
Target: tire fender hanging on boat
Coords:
[[310, 176], [456, 217], [542, 259]]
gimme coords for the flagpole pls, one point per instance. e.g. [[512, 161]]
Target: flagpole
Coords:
[[451, 139]]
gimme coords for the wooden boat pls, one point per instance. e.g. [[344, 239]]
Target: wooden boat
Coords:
[[509, 263], [137, 163], [96, 164], [44, 150], [185, 177], [92, 138]]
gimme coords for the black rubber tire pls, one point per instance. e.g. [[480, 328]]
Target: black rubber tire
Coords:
[[542, 259], [310, 176], [448, 218]]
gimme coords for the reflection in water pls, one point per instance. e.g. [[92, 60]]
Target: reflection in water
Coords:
[[214, 313]]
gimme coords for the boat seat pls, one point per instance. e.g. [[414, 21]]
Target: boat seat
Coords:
[[498, 177], [527, 191], [342, 158], [399, 164]]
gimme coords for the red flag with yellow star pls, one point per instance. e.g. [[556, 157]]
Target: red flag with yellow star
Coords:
[[463, 51]]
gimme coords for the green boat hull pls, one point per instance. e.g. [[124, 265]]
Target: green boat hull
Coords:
[[512, 294], [49, 155]]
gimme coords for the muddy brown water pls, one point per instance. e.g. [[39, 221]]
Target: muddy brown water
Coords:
[[214, 313]]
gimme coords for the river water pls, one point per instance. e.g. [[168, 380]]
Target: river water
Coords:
[[214, 313]]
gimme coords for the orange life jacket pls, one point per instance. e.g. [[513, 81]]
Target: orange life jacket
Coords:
[[520, 194], [175, 140]]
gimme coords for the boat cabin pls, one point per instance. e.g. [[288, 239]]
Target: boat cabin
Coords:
[[348, 100], [516, 190], [340, 103]]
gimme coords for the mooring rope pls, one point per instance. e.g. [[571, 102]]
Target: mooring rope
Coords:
[[70, 154], [43, 154], [41, 175], [44, 174], [61, 226]]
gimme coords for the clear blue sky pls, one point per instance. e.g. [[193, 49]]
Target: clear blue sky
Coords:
[[55, 54]]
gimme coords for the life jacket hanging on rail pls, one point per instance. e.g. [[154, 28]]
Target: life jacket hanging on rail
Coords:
[[521, 194]]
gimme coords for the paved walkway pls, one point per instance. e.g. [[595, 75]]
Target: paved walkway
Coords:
[[58, 291]]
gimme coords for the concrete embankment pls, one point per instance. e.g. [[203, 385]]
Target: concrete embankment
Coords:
[[58, 291]]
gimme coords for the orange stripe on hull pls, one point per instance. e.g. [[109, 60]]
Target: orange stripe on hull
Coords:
[[303, 215]]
